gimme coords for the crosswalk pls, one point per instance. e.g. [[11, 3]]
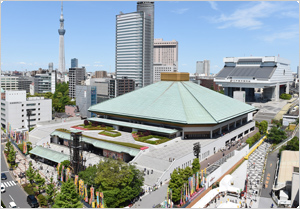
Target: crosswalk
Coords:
[[9, 183]]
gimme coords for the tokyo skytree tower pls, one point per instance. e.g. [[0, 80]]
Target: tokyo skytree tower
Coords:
[[61, 32]]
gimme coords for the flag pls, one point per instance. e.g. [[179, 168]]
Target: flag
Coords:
[[81, 189], [67, 174], [75, 181], [92, 195], [186, 192], [194, 183], [86, 199], [205, 175], [58, 168], [181, 196], [201, 177], [24, 147], [27, 136], [197, 180], [98, 203], [102, 200], [62, 174]]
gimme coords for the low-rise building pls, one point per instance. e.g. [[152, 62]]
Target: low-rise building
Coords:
[[72, 110], [14, 108], [9, 83]]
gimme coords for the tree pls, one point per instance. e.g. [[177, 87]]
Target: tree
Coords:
[[196, 165], [40, 181], [68, 197], [89, 175], [30, 173], [65, 163], [176, 184], [276, 135], [186, 173], [119, 182], [8, 147], [263, 127], [51, 192]]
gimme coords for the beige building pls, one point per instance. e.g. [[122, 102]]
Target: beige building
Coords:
[[165, 57], [100, 74]]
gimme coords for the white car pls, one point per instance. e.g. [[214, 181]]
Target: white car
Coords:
[[12, 205], [2, 188]]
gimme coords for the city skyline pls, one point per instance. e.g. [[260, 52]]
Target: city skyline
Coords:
[[204, 30]]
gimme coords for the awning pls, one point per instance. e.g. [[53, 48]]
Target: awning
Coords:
[[135, 125], [49, 154]]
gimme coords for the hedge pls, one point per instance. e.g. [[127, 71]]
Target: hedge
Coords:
[[253, 139], [116, 133], [29, 189], [146, 138], [285, 96]]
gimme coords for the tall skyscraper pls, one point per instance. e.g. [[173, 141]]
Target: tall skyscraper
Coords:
[[76, 76], [203, 67], [61, 32], [134, 44], [74, 62]]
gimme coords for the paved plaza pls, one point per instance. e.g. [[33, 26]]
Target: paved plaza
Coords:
[[267, 111]]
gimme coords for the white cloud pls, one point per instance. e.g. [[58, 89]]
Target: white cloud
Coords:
[[285, 34], [22, 63], [98, 65], [180, 11], [184, 64], [291, 14], [249, 16], [97, 62], [213, 5]]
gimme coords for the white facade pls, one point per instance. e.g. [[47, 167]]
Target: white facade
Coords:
[[14, 109], [158, 69], [165, 52], [203, 67], [9, 83]]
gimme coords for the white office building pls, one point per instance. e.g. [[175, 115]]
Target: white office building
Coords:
[[14, 106], [203, 67]]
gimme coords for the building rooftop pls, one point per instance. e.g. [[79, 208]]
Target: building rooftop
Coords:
[[180, 102], [289, 160]]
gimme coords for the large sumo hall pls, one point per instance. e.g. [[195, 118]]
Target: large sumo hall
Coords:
[[174, 107]]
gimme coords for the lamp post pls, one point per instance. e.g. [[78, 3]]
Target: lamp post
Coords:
[[28, 115]]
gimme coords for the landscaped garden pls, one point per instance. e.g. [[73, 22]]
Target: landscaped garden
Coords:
[[136, 146], [148, 138], [110, 133], [93, 126]]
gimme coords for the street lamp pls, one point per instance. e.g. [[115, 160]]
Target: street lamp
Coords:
[[28, 115]]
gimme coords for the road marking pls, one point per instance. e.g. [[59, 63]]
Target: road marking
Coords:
[[4, 171], [13, 183], [4, 184], [11, 198], [8, 184]]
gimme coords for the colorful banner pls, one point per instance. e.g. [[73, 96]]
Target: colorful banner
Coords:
[[197, 180], [194, 183], [27, 136], [185, 193], [201, 177], [101, 200], [58, 168], [98, 202], [62, 174], [92, 195], [81, 188], [25, 147], [181, 197], [76, 180], [86, 198], [67, 174]]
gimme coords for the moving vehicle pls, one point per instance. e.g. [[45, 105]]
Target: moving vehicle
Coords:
[[3, 176], [2, 188], [32, 201], [12, 205]]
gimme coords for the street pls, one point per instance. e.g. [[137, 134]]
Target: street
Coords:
[[13, 191]]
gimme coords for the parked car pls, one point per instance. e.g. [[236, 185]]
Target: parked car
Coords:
[[32, 201], [3, 176], [12, 205], [2, 188]]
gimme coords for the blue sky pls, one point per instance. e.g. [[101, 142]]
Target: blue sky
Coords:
[[204, 30]]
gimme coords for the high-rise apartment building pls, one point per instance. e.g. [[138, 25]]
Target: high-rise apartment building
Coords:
[[203, 67], [44, 83], [165, 57], [86, 96], [118, 87], [74, 62], [24, 83], [76, 75], [100, 74], [134, 44]]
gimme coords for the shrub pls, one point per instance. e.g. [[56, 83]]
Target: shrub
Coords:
[[29, 189], [86, 122], [285, 96], [102, 125], [94, 124], [42, 200], [110, 134], [20, 146]]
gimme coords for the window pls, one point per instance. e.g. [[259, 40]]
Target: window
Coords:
[[22, 115], [39, 119], [39, 109], [39, 113], [22, 110], [22, 120], [22, 105], [39, 104]]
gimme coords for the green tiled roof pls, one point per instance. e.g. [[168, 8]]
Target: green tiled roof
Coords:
[[181, 102], [135, 125], [99, 144], [49, 154]]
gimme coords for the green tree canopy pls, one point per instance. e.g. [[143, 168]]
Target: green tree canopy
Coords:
[[89, 175], [196, 165], [263, 127], [40, 181], [176, 184], [68, 197], [30, 173], [51, 192], [276, 135]]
